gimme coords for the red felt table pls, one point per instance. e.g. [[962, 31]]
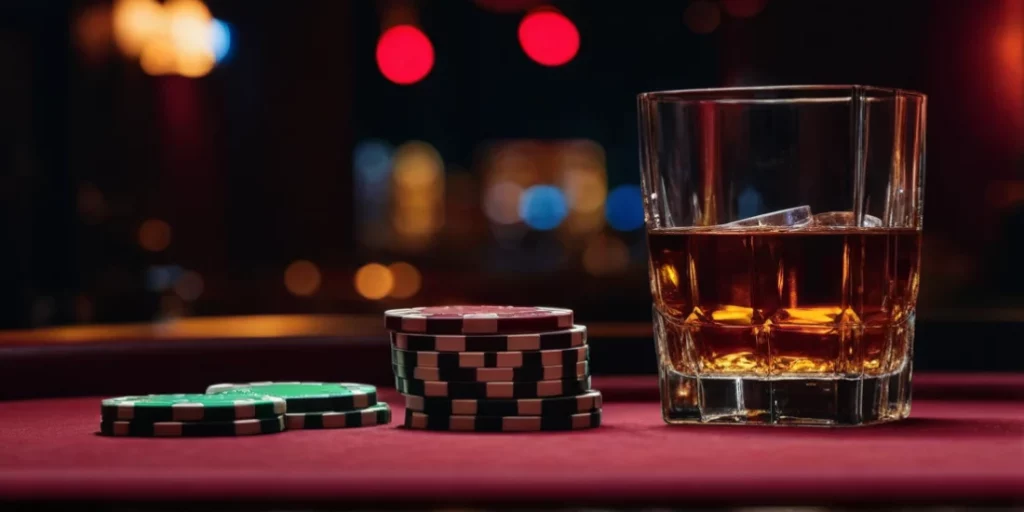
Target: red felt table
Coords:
[[967, 449]]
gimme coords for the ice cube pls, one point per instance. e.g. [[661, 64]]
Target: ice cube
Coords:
[[845, 219], [798, 216]]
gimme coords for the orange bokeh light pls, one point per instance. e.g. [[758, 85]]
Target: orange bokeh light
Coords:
[[302, 278], [154, 235], [374, 281]]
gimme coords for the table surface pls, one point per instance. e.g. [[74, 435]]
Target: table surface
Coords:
[[968, 450]]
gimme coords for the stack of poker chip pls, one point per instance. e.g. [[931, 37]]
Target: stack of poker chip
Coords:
[[245, 409], [492, 368]]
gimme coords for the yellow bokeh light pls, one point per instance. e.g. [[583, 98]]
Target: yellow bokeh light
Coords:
[[188, 23], [136, 22], [417, 165], [407, 280], [154, 235], [501, 202], [586, 191], [158, 58], [374, 281], [195, 65], [302, 278]]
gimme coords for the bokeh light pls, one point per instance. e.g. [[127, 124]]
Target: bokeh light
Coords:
[[94, 31], [374, 281], [624, 209], [136, 22], [501, 203], [154, 235], [507, 6], [407, 280], [418, 193], [177, 37], [220, 39], [189, 286], [549, 38], [543, 207], [302, 278], [702, 16], [404, 54], [743, 8], [371, 160], [605, 255]]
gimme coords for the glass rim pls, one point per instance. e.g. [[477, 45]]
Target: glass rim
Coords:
[[779, 94]]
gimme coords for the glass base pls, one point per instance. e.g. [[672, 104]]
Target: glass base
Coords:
[[795, 401]]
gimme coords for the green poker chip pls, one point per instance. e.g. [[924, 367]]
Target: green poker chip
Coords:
[[230, 406], [248, 427], [309, 396], [379, 414]]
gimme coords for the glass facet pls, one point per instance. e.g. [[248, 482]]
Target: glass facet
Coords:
[[784, 228]]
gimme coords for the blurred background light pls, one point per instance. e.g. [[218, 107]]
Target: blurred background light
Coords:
[[543, 207], [374, 281], [604, 255], [743, 8], [625, 208], [220, 39], [702, 16], [189, 286], [404, 54], [371, 160], [507, 6], [418, 191], [549, 38], [178, 37], [136, 22], [154, 235], [162, 277], [501, 203], [302, 278], [407, 280]]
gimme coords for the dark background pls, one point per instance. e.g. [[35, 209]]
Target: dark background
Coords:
[[252, 166]]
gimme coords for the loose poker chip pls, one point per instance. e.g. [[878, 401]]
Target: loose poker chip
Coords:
[[193, 428], [193, 407], [557, 406], [379, 414], [575, 336], [309, 396], [478, 319], [516, 359], [538, 389], [530, 373], [421, 421]]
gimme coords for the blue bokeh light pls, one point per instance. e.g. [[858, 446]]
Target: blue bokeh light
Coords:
[[371, 160], [220, 39], [543, 207], [624, 208]]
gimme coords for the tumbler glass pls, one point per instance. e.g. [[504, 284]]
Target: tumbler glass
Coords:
[[784, 228]]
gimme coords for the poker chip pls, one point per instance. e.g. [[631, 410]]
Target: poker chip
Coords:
[[247, 427], [575, 336], [529, 373], [536, 389], [379, 414], [556, 406], [478, 319], [422, 421], [513, 359], [309, 396], [193, 407]]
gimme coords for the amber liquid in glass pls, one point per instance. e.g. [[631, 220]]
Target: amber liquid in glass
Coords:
[[809, 325]]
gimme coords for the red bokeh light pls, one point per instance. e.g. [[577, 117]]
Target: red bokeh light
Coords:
[[549, 38], [404, 54], [743, 8]]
